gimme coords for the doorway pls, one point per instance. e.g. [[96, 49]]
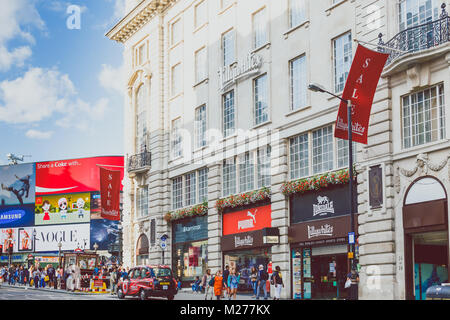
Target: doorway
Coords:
[[430, 256], [328, 277]]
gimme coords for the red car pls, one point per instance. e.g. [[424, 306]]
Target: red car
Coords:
[[148, 281]]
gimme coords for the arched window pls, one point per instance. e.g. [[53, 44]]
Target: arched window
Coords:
[[142, 250], [425, 189], [141, 115]]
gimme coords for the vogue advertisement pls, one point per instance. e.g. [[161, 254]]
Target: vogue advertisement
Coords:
[[71, 236], [17, 185], [62, 209], [71, 176]]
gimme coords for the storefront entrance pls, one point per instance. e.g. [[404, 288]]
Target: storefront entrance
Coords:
[[244, 260], [425, 222]]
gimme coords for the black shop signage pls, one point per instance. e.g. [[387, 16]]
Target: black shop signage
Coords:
[[325, 203], [192, 229]]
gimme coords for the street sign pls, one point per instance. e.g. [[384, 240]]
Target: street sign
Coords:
[[351, 238], [163, 245]]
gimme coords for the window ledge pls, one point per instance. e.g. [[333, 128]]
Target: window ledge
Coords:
[[176, 96], [423, 148], [334, 6], [265, 45], [231, 136], [303, 24], [176, 45], [256, 126], [297, 111], [200, 27], [198, 149], [206, 80], [223, 10]]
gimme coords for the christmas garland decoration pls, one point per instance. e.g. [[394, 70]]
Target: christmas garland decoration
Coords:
[[243, 199], [316, 183], [195, 211]]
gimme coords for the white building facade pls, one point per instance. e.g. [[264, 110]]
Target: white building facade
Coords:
[[236, 162]]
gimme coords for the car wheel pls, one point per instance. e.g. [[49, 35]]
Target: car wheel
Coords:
[[142, 295], [120, 294], [170, 297]]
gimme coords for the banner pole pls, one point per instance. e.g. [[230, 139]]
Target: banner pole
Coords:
[[350, 172]]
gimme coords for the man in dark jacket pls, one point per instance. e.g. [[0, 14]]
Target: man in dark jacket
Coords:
[[226, 274], [262, 278]]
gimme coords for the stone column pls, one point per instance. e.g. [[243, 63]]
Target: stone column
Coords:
[[214, 219]]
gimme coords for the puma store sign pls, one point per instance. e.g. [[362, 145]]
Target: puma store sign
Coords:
[[247, 220]]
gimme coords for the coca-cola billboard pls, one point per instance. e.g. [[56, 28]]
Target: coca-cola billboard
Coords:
[[75, 175]]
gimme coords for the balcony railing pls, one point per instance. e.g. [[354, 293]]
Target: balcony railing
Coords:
[[418, 38], [140, 162]]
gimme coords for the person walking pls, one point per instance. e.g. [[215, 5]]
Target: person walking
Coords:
[[353, 277], [277, 281], [36, 277], [218, 284], [226, 273], [208, 284], [262, 282], [232, 284], [254, 280], [50, 275], [113, 280]]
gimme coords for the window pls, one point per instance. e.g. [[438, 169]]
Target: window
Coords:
[[190, 190], [342, 153], [176, 32], [203, 185], [228, 114], [260, 36], [201, 14], [176, 79], [263, 167], [142, 54], [342, 60], [298, 82], [186, 186], [200, 127], [201, 69], [297, 12], [322, 152], [228, 48], [177, 193], [423, 115], [261, 100], [177, 149], [416, 12], [141, 123], [229, 177], [246, 173], [299, 156], [142, 202]]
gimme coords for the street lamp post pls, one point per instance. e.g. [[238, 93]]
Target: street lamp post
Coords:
[[318, 88], [59, 253]]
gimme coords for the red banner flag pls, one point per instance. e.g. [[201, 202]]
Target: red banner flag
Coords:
[[360, 88], [110, 194]]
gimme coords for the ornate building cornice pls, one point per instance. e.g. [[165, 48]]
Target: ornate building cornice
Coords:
[[136, 18]]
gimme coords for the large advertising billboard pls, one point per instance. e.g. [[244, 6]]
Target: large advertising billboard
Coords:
[[17, 216], [17, 184], [72, 176], [104, 233], [63, 209]]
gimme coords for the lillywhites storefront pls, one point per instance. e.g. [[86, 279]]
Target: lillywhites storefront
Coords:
[[190, 248], [247, 240], [320, 223]]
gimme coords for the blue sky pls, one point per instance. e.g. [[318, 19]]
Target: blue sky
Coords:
[[59, 93]]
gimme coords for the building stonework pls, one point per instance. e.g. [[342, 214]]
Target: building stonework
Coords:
[[162, 40]]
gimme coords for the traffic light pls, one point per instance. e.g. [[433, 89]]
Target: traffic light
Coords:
[[10, 248]]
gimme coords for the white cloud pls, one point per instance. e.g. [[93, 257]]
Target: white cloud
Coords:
[[43, 94], [112, 78], [41, 135], [14, 15]]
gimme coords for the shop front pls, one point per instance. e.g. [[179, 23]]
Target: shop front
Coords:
[[318, 235], [247, 240], [190, 249]]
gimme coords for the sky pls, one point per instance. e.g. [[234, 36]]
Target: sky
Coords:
[[61, 94]]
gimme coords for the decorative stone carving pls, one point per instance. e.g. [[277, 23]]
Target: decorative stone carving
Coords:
[[397, 179], [141, 227]]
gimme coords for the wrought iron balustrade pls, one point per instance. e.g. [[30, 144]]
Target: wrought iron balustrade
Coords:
[[141, 161], [418, 38]]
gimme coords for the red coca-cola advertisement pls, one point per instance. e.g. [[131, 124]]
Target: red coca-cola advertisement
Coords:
[[247, 220], [360, 88], [75, 175], [110, 194]]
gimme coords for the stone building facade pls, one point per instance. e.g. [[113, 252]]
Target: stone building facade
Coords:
[[209, 81]]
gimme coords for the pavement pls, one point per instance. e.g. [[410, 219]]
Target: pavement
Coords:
[[16, 292]]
